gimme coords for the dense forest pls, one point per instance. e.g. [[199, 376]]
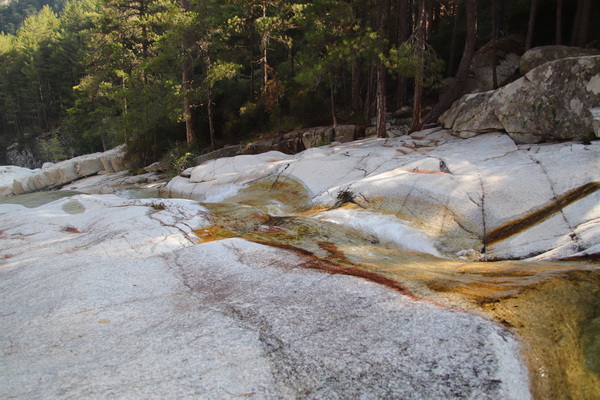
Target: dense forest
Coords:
[[197, 74]]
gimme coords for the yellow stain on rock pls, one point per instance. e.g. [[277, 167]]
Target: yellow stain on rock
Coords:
[[213, 233], [553, 306]]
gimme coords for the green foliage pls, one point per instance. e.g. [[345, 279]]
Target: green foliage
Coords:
[[14, 13], [180, 157], [401, 60], [52, 150], [110, 71]]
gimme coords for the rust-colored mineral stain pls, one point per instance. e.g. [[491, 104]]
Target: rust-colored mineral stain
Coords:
[[70, 229], [213, 233], [516, 226], [334, 252], [314, 262]]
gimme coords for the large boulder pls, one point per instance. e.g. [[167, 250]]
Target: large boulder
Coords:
[[552, 102], [317, 136], [508, 54], [541, 55], [21, 156], [61, 173]]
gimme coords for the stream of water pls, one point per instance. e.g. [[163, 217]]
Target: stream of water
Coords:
[[554, 307]]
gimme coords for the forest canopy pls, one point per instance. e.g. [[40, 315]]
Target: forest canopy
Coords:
[[155, 73]]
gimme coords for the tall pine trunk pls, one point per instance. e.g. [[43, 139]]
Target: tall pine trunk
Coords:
[[209, 103], [418, 95], [356, 100], [382, 73], [186, 78], [404, 26], [559, 10], [264, 45], [494, 52], [463, 68], [452, 60], [332, 100], [381, 103], [581, 23], [371, 83], [532, 12]]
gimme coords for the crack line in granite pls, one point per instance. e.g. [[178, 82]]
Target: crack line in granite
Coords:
[[519, 225]]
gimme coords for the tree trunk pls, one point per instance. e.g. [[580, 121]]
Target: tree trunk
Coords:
[[452, 60], [369, 96], [559, 9], [209, 104], [403, 34], [355, 96], [428, 19], [576, 23], [252, 62], [585, 22], [382, 73], [332, 100], [494, 52], [381, 96], [123, 86], [532, 12], [581, 23], [264, 44], [463, 68], [211, 126], [186, 78], [418, 95], [188, 108]]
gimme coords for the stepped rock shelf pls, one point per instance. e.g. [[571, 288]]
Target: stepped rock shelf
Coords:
[[485, 196], [345, 271]]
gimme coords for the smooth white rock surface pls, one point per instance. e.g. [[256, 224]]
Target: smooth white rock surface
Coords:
[[492, 182], [10, 173], [105, 297], [61, 173]]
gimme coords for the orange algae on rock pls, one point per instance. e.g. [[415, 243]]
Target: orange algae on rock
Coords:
[[214, 232], [551, 305]]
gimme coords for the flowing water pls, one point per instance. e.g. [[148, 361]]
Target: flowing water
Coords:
[[554, 307]]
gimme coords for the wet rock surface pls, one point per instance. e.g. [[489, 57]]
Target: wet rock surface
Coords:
[[343, 271], [484, 195], [117, 299]]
